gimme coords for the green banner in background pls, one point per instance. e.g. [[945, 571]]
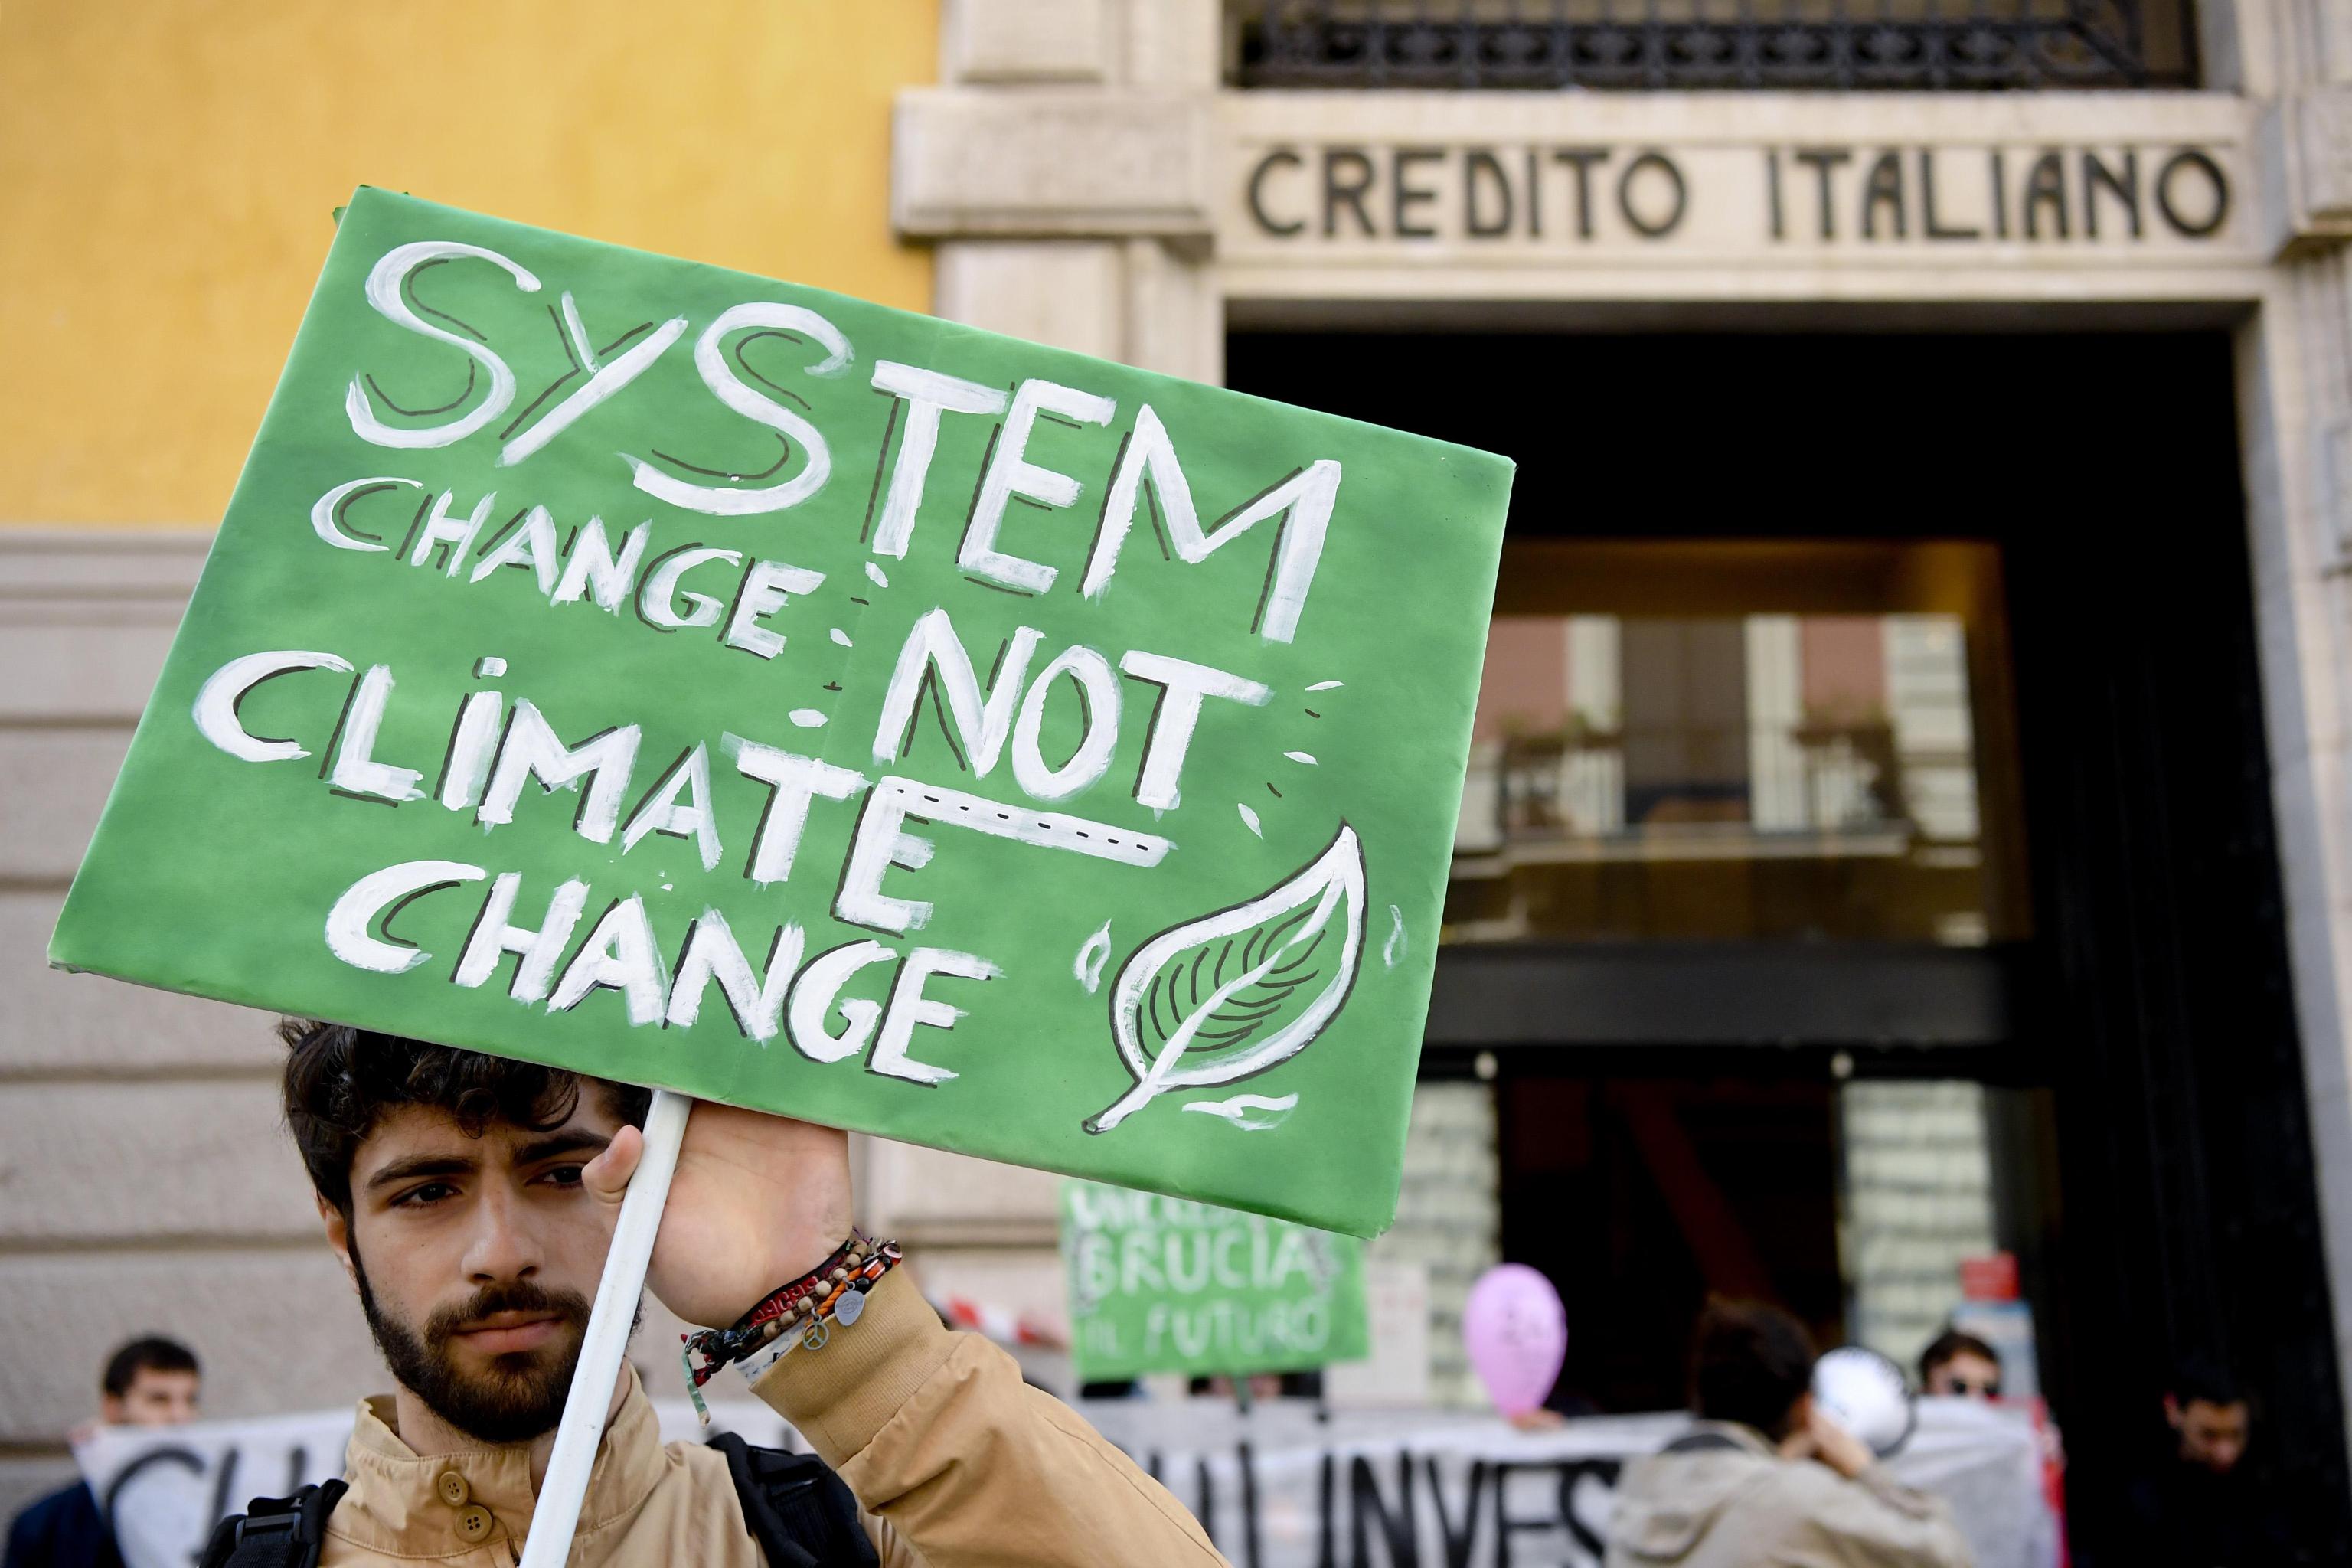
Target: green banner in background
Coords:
[[1158, 1284], [708, 682]]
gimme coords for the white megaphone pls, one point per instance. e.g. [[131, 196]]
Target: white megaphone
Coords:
[[1864, 1393]]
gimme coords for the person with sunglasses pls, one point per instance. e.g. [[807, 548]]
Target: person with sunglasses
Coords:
[[1960, 1365]]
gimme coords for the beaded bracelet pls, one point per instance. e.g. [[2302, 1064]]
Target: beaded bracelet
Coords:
[[794, 1316]]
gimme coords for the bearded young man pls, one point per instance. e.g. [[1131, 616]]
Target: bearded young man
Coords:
[[472, 1199]]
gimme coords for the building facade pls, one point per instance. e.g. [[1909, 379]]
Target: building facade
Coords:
[[1909, 816], [1911, 809]]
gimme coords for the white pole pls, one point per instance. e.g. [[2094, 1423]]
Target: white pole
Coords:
[[583, 1427]]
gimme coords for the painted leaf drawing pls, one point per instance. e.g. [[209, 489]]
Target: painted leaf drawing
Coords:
[[1224, 997]]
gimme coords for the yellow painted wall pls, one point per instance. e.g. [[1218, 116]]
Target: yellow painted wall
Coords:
[[167, 169]]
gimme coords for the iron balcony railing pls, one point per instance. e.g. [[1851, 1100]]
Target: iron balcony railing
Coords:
[[1910, 44]]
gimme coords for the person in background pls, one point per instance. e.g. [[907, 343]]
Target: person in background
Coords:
[[2198, 1500], [1960, 1364], [1764, 1476], [152, 1382]]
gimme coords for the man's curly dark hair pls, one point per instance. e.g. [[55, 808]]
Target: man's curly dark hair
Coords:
[[339, 1082]]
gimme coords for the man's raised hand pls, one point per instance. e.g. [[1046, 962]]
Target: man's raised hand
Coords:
[[758, 1201]]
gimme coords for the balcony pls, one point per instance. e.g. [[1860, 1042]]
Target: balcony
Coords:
[[1935, 46], [1694, 744]]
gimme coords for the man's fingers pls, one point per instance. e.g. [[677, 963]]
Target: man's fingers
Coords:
[[607, 1176]]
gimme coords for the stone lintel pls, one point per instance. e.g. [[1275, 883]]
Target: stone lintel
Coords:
[[1059, 162], [2306, 147]]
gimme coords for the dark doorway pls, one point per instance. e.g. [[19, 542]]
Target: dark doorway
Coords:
[[1640, 1195], [2143, 996]]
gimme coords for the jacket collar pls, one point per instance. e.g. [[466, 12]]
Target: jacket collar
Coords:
[[394, 1506], [1749, 1440]]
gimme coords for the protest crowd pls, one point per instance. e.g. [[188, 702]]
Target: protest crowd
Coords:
[[486, 1190], [1301, 783]]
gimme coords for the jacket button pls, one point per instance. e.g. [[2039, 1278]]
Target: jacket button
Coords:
[[473, 1522], [452, 1488]]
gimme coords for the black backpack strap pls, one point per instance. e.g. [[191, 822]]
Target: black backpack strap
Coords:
[[275, 1531], [801, 1513]]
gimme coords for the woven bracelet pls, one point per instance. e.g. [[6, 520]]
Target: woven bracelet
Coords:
[[799, 1315]]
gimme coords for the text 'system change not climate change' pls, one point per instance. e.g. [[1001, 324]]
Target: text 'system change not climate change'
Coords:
[[708, 682]]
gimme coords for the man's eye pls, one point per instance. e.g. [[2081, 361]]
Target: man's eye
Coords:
[[430, 1192], [565, 1175]]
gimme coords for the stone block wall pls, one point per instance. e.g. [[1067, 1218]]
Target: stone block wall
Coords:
[[146, 1184], [1918, 1199]]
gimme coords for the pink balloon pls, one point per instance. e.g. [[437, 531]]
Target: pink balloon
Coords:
[[1517, 1333]]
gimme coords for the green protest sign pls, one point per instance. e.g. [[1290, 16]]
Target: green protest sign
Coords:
[[1159, 1284], [665, 672]]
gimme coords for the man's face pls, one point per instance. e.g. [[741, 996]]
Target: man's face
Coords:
[[155, 1398], [476, 1258], [2213, 1435], [1966, 1374]]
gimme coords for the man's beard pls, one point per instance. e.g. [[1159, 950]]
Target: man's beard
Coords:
[[522, 1394]]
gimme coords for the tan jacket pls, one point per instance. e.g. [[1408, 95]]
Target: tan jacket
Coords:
[[1747, 1507], [956, 1463]]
